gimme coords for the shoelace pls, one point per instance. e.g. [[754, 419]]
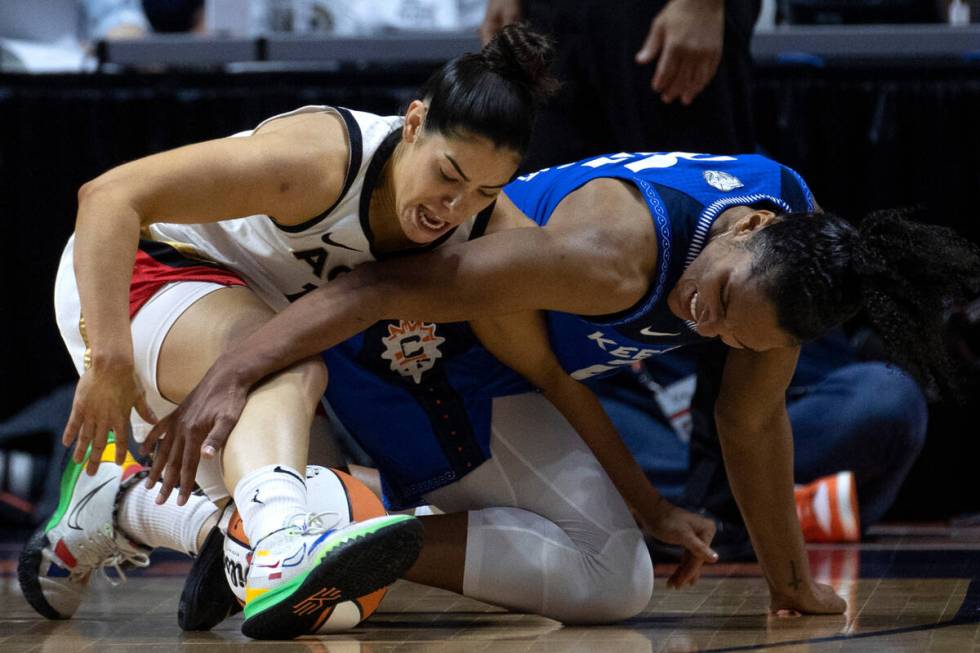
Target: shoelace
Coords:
[[310, 523], [104, 546], [313, 524]]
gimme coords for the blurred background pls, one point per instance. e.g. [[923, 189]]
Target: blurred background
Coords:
[[876, 103]]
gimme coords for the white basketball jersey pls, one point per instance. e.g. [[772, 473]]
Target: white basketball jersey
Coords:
[[283, 263]]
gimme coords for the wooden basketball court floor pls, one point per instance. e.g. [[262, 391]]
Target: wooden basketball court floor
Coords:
[[915, 589]]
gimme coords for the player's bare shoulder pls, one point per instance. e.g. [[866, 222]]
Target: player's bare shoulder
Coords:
[[614, 211], [311, 153]]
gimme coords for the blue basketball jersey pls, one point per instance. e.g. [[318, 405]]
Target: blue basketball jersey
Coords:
[[685, 194], [417, 396]]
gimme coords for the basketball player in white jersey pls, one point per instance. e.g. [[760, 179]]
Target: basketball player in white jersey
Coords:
[[324, 189]]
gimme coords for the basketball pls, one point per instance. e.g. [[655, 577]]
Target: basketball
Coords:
[[330, 491]]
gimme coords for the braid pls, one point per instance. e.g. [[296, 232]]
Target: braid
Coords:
[[819, 271], [910, 273]]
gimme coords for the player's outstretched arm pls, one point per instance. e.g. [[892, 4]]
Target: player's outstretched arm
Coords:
[[573, 270], [757, 444]]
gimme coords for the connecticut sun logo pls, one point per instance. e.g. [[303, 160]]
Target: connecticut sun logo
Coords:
[[412, 348]]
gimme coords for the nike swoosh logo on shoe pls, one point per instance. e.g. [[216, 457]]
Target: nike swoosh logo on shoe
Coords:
[[73, 515]]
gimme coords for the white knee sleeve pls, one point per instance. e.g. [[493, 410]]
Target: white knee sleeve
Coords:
[[518, 559], [548, 532]]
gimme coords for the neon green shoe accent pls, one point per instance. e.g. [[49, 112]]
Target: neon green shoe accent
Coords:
[[68, 479], [284, 591]]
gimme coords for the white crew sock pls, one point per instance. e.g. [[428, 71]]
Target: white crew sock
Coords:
[[268, 498], [169, 526]]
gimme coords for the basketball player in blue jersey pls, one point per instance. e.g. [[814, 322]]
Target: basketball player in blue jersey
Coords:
[[628, 255]]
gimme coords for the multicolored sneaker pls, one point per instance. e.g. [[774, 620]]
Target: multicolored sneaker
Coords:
[[57, 562], [828, 509], [298, 573]]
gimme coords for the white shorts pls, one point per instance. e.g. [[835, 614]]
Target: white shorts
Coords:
[[150, 326]]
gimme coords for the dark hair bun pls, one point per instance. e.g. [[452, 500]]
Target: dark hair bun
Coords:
[[522, 55], [494, 93]]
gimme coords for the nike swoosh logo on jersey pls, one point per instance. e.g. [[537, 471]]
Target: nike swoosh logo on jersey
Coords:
[[73, 515], [330, 241], [647, 332]]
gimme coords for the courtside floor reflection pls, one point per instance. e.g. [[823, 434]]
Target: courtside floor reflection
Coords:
[[912, 589]]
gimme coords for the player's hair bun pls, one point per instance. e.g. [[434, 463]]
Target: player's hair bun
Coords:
[[495, 92], [524, 56]]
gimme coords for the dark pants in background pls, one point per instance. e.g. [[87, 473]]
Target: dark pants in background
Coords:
[[606, 103], [846, 414]]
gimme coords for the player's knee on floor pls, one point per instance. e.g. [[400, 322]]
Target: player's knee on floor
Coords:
[[606, 587]]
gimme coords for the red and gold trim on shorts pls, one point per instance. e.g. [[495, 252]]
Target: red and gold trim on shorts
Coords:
[[159, 263]]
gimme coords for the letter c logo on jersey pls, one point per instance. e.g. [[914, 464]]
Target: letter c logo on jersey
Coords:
[[412, 347]]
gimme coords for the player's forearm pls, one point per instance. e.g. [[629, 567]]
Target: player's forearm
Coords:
[[508, 272], [314, 323], [106, 239], [759, 462], [325, 317]]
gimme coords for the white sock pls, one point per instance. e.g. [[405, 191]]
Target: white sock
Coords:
[[268, 498], [169, 526]]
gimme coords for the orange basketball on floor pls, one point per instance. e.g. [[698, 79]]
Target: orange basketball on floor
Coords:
[[330, 491]]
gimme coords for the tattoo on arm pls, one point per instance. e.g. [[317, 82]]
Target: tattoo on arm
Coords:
[[796, 581]]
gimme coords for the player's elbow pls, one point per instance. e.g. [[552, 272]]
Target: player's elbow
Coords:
[[93, 189], [110, 197]]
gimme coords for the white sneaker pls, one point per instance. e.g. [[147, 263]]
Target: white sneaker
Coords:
[[57, 562], [298, 573]]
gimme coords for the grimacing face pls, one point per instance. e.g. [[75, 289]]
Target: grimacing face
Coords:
[[444, 180], [719, 293]]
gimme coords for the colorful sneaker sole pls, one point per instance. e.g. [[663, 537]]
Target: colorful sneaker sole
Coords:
[[362, 562], [32, 556]]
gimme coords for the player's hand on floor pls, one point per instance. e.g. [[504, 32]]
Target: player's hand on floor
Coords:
[[198, 427], [104, 400], [675, 525], [686, 38], [812, 598]]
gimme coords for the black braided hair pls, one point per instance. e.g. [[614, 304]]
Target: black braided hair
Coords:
[[493, 93], [819, 271]]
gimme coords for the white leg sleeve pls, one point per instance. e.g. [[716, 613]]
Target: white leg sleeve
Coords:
[[548, 532]]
